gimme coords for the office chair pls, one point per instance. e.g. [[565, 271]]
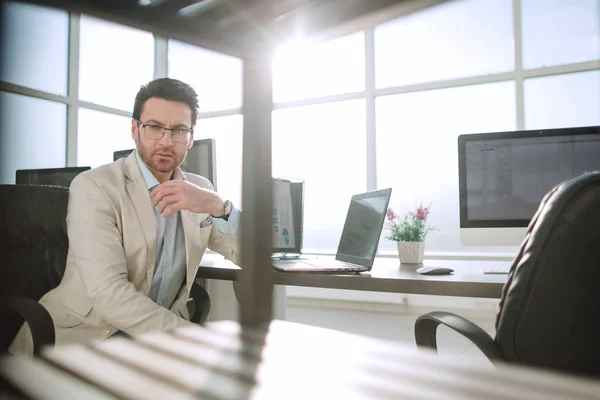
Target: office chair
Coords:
[[34, 235], [550, 306], [35, 238]]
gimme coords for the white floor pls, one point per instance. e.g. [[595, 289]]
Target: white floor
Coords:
[[392, 326], [379, 320]]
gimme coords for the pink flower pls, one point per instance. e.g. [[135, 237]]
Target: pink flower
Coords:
[[422, 213], [390, 215]]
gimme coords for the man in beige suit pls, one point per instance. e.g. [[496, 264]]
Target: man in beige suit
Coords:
[[138, 228]]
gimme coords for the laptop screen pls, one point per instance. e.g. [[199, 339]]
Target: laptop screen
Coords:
[[362, 229]]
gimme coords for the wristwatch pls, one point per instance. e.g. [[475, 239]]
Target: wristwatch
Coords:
[[228, 209]]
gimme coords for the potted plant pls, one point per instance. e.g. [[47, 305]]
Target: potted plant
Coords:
[[409, 231]]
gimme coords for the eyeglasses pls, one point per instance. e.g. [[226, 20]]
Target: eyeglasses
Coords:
[[156, 132]]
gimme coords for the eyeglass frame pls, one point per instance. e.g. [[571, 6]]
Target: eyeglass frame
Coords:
[[190, 131]]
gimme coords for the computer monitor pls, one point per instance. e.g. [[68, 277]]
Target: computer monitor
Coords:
[[48, 176], [288, 244], [201, 159], [117, 155], [503, 177]]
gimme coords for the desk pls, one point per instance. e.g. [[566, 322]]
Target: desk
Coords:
[[386, 276], [287, 361]]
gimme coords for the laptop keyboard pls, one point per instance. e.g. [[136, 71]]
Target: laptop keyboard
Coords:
[[330, 264]]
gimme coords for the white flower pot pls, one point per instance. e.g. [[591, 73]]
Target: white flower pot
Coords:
[[411, 252]]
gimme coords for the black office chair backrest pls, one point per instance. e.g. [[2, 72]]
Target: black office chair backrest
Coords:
[[550, 308], [34, 238]]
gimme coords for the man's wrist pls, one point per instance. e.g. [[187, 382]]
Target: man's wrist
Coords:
[[219, 211], [225, 210]]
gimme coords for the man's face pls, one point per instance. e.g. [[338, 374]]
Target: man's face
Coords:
[[163, 155]]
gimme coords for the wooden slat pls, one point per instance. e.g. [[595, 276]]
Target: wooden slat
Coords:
[[293, 378], [376, 358], [247, 345], [193, 377], [289, 361], [256, 280], [45, 382], [304, 362], [113, 377], [296, 345], [208, 354], [392, 356]]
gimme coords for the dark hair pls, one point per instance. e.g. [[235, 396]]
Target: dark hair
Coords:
[[168, 89]]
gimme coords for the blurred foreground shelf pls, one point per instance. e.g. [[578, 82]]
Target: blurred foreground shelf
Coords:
[[287, 361]]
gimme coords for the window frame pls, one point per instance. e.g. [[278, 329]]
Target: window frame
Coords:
[[369, 94]]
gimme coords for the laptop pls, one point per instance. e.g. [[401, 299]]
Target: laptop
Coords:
[[359, 241]]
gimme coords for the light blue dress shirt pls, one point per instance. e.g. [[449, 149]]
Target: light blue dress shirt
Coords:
[[170, 268]]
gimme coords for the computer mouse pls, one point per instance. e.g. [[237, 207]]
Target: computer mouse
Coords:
[[435, 271]]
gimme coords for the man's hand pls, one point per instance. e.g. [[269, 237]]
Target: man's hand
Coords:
[[179, 195]]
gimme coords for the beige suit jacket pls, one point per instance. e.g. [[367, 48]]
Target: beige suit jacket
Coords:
[[112, 254]]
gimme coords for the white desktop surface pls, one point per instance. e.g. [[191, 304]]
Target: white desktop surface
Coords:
[[387, 275]]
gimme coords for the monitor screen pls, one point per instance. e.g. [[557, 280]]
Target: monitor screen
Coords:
[[200, 159], [48, 176], [117, 155], [504, 176], [362, 229], [288, 214]]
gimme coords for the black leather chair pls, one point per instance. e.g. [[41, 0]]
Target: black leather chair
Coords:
[[549, 313], [34, 236], [35, 245]]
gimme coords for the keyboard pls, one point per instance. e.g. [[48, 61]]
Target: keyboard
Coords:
[[330, 264], [317, 265], [495, 271]]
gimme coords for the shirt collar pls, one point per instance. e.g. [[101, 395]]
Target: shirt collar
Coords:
[[149, 178]]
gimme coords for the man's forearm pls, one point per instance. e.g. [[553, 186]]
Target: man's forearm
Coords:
[[121, 305]]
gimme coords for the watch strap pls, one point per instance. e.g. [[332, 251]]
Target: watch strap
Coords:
[[228, 210]]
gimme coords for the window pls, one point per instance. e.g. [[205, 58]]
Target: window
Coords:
[[100, 135], [227, 132], [35, 47], [454, 40], [560, 32], [417, 151], [27, 142], [562, 100], [115, 61], [217, 78], [307, 71], [307, 144]]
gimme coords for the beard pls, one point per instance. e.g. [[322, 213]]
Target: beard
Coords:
[[159, 163]]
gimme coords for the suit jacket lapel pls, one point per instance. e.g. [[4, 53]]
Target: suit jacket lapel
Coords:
[[188, 220], [190, 229], [140, 197]]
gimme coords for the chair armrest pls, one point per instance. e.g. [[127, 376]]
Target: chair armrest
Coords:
[[199, 308], [426, 330], [37, 318], [236, 290]]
